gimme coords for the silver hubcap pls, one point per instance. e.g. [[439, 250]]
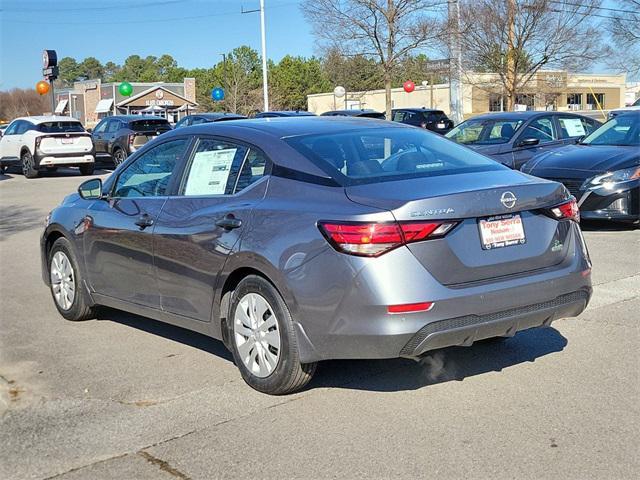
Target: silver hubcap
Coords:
[[255, 331], [63, 280]]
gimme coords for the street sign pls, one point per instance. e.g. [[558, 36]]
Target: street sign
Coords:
[[49, 58], [438, 66], [50, 72]]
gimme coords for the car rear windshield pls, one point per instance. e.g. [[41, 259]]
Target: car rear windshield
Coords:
[[434, 116], [60, 127], [484, 131], [378, 115], [145, 125], [384, 154]]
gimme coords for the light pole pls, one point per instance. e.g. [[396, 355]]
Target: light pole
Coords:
[[265, 85], [455, 74]]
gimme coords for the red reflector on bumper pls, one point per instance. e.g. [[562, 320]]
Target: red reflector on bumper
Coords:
[[410, 307]]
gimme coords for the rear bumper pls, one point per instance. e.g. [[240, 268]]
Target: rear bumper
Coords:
[[463, 331], [9, 162], [57, 160], [347, 318]]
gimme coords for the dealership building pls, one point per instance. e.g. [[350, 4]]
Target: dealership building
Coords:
[[482, 92], [91, 100]]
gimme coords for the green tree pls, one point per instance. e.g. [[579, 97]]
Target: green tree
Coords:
[[292, 79], [355, 73], [111, 71], [69, 71], [91, 68]]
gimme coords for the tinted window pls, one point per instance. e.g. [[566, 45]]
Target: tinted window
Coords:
[[198, 120], [113, 126], [101, 127], [623, 130], [11, 129], [540, 128], [435, 116], [183, 122], [60, 127], [398, 116], [22, 127], [214, 168], [484, 131], [375, 155], [379, 116], [149, 124], [253, 169], [149, 174]]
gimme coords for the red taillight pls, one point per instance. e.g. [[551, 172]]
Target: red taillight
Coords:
[[410, 307], [423, 125], [373, 239], [568, 210]]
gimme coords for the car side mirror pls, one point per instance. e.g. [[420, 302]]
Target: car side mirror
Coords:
[[89, 130], [91, 189], [528, 142], [580, 138]]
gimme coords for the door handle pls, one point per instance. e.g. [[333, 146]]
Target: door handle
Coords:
[[144, 221], [229, 222]]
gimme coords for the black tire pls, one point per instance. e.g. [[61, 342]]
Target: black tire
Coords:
[[289, 374], [87, 169], [29, 169], [2, 170], [81, 307], [119, 156]]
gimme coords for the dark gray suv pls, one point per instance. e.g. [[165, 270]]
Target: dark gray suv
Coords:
[[296, 240], [118, 136]]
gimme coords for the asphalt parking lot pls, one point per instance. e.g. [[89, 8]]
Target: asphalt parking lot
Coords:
[[126, 397]]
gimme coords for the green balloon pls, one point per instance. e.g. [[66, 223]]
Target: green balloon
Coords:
[[125, 89]]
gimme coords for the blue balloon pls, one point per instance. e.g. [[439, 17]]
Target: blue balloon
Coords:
[[217, 94]]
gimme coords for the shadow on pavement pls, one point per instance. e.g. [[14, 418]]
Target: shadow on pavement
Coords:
[[455, 363], [16, 218], [164, 330]]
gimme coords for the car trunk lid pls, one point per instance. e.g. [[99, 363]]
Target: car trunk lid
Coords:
[[463, 256]]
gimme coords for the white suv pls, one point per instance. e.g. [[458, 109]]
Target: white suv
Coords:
[[47, 142]]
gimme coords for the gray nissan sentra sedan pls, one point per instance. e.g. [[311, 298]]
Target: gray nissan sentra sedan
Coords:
[[296, 240]]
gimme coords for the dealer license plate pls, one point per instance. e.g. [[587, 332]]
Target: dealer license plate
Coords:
[[67, 140], [501, 231]]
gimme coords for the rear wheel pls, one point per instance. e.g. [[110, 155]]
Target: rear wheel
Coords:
[[263, 340], [119, 156], [2, 170], [87, 169], [69, 296], [29, 169]]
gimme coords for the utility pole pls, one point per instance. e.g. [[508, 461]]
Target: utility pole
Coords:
[[265, 85], [511, 61], [455, 65]]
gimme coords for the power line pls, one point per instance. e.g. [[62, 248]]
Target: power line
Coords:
[[160, 20], [82, 9], [617, 10]]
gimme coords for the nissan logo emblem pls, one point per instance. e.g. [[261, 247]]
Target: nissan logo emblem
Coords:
[[508, 199]]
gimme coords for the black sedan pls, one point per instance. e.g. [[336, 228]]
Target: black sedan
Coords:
[[434, 120], [363, 113], [602, 171], [513, 138], [284, 113], [199, 118]]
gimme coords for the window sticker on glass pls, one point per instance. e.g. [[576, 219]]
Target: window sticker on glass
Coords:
[[209, 172], [573, 126]]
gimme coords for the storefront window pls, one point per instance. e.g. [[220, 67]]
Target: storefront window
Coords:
[[595, 101], [497, 102], [574, 101]]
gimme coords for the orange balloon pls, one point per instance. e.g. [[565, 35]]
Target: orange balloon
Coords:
[[42, 87]]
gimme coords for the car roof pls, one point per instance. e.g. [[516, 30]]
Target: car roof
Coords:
[[289, 113], [418, 109], [131, 118], [282, 127], [37, 119], [518, 115], [214, 115], [352, 112]]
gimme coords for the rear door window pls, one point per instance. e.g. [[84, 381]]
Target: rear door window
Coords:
[[541, 128], [214, 167]]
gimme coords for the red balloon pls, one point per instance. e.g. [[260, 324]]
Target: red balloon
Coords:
[[42, 87], [409, 86]]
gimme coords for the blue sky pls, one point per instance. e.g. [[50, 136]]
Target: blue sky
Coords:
[[194, 32]]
